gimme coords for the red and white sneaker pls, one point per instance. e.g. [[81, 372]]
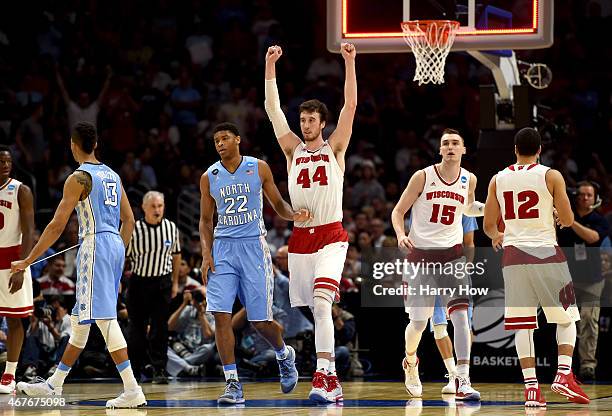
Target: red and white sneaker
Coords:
[[7, 384], [318, 393], [566, 385], [534, 398], [465, 391], [334, 389]]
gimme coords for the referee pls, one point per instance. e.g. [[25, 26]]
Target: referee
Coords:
[[155, 254]]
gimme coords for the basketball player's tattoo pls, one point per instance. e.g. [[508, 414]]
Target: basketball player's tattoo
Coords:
[[84, 179]]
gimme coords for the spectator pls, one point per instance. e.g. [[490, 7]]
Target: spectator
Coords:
[[377, 232], [55, 282], [185, 281], [344, 334], [258, 355], [295, 323], [46, 338], [185, 102], [38, 268], [194, 344], [581, 242], [279, 234], [83, 109]]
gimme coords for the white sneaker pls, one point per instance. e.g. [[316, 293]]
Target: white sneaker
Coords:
[[7, 384], [128, 399], [40, 387], [412, 380], [465, 390], [450, 388]]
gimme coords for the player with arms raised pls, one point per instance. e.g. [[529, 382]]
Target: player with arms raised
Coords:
[[317, 247], [438, 195], [525, 195], [16, 238]]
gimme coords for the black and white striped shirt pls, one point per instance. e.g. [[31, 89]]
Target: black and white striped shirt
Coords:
[[152, 247]]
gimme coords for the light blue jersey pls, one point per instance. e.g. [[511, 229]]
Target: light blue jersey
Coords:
[[239, 199], [101, 255], [243, 265]]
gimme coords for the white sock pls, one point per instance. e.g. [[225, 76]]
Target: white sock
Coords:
[[449, 363], [282, 353], [322, 365], [127, 375], [332, 367], [10, 368], [60, 374], [529, 375], [564, 364], [230, 371], [463, 370]]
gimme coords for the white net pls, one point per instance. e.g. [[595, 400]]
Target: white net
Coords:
[[430, 41]]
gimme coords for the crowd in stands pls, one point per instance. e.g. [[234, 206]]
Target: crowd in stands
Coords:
[[156, 76]]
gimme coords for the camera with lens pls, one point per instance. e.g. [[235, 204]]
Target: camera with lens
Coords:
[[197, 295], [46, 311]]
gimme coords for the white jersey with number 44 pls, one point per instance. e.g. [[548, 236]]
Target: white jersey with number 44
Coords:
[[315, 183]]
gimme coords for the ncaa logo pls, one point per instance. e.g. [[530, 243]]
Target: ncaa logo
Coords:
[[167, 243], [488, 321], [463, 179], [10, 187]]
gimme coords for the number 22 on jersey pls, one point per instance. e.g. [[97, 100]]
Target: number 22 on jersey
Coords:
[[320, 176]]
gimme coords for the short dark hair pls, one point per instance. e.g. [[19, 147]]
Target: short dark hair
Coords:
[[452, 131], [231, 127], [85, 135], [315, 106], [4, 148], [527, 141]]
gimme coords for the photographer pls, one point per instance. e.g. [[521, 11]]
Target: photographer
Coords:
[[584, 260], [194, 344], [46, 337]]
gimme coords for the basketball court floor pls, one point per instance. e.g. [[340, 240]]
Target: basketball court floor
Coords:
[[361, 398]]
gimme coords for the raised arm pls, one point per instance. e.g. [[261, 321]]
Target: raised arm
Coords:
[[76, 185], [207, 210], [127, 218], [287, 140], [409, 196], [339, 140], [556, 186], [105, 86], [62, 87], [273, 195]]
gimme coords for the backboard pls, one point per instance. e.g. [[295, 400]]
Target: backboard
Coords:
[[374, 26]]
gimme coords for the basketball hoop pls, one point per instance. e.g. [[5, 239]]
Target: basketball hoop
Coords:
[[430, 41]]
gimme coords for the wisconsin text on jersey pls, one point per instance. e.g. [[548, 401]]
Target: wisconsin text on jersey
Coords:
[[445, 194]]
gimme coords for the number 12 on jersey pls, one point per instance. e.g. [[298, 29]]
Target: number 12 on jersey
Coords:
[[320, 175]]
